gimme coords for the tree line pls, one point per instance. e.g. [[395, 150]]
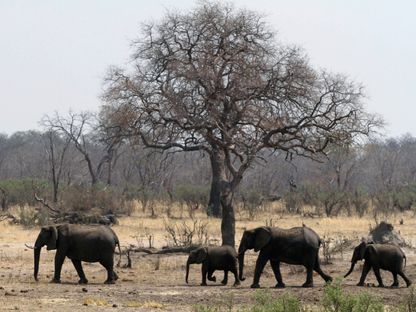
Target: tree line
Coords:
[[380, 174]]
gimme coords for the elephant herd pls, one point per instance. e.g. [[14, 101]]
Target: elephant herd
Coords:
[[298, 246]]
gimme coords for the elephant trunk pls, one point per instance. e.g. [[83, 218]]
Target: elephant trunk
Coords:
[[241, 252], [36, 257], [187, 271], [352, 268]]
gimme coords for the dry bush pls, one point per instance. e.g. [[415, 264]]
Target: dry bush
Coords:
[[185, 234]]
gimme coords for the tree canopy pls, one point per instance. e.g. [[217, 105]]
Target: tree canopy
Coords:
[[216, 79]]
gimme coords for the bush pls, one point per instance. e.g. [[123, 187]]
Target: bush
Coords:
[[284, 303], [20, 191], [193, 196], [252, 199], [184, 234], [28, 216], [336, 300]]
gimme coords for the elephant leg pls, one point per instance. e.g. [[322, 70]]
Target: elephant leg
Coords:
[[204, 271], [276, 270], [59, 261], [317, 269], [366, 269], [378, 276], [309, 277], [225, 279], [395, 280], [108, 264], [408, 282], [236, 279], [310, 265], [210, 276], [80, 271], [260, 263]]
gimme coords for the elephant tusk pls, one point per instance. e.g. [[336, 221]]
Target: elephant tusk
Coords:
[[30, 247]]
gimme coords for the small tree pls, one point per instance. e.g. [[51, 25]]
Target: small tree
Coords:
[[215, 80]]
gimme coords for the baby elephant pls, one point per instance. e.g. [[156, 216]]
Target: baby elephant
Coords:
[[379, 256], [214, 258]]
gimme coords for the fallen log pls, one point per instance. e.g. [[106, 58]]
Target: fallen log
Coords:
[[155, 251]]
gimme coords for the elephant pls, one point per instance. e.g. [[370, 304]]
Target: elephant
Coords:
[[379, 256], [298, 245], [89, 243], [214, 258]]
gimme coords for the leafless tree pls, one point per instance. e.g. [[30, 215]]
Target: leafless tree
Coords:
[[56, 149], [215, 79], [87, 134]]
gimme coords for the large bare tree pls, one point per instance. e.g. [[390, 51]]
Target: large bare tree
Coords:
[[216, 79]]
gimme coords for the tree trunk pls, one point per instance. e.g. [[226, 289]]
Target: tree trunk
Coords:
[[218, 173], [228, 216]]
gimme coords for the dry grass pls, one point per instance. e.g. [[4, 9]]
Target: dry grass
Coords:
[[157, 283]]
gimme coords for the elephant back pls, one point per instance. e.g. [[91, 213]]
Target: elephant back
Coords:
[[301, 234]]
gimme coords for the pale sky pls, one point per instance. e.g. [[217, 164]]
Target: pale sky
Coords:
[[54, 53]]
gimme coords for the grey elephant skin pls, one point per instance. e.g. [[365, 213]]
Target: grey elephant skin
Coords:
[[89, 243], [214, 258], [298, 245], [379, 256]]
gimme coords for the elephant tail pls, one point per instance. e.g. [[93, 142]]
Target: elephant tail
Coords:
[[119, 251]]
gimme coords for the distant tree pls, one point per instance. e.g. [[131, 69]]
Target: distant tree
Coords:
[[216, 80], [88, 135], [56, 149]]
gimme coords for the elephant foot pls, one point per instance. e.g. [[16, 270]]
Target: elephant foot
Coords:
[[255, 285], [328, 279], [307, 284], [236, 283], [212, 278], [56, 281], [83, 281], [408, 284], [280, 285], [360, 284], [224, 282], [381, 285], [203, 284], [394, 285]]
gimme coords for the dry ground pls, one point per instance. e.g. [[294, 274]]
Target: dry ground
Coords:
[[158, 282]]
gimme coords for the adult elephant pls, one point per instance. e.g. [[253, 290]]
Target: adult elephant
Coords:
[[298, 245], [90, 243]]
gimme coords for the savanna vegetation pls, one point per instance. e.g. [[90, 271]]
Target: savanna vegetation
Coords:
[[215, 126]]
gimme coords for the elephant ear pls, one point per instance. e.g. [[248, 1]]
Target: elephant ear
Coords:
[[263, 236], [53, 237], [201, 255]]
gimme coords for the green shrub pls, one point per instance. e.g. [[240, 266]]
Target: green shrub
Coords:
[[20, 191], [336, 300], [193, 196], [284, 303]]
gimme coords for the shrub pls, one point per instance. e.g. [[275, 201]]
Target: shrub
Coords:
[[28, 216], [284, 303], [336, 300], [20, 191], [193, 196], [184, 234]]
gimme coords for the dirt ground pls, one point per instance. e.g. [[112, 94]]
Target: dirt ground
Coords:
[[157, 283]]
